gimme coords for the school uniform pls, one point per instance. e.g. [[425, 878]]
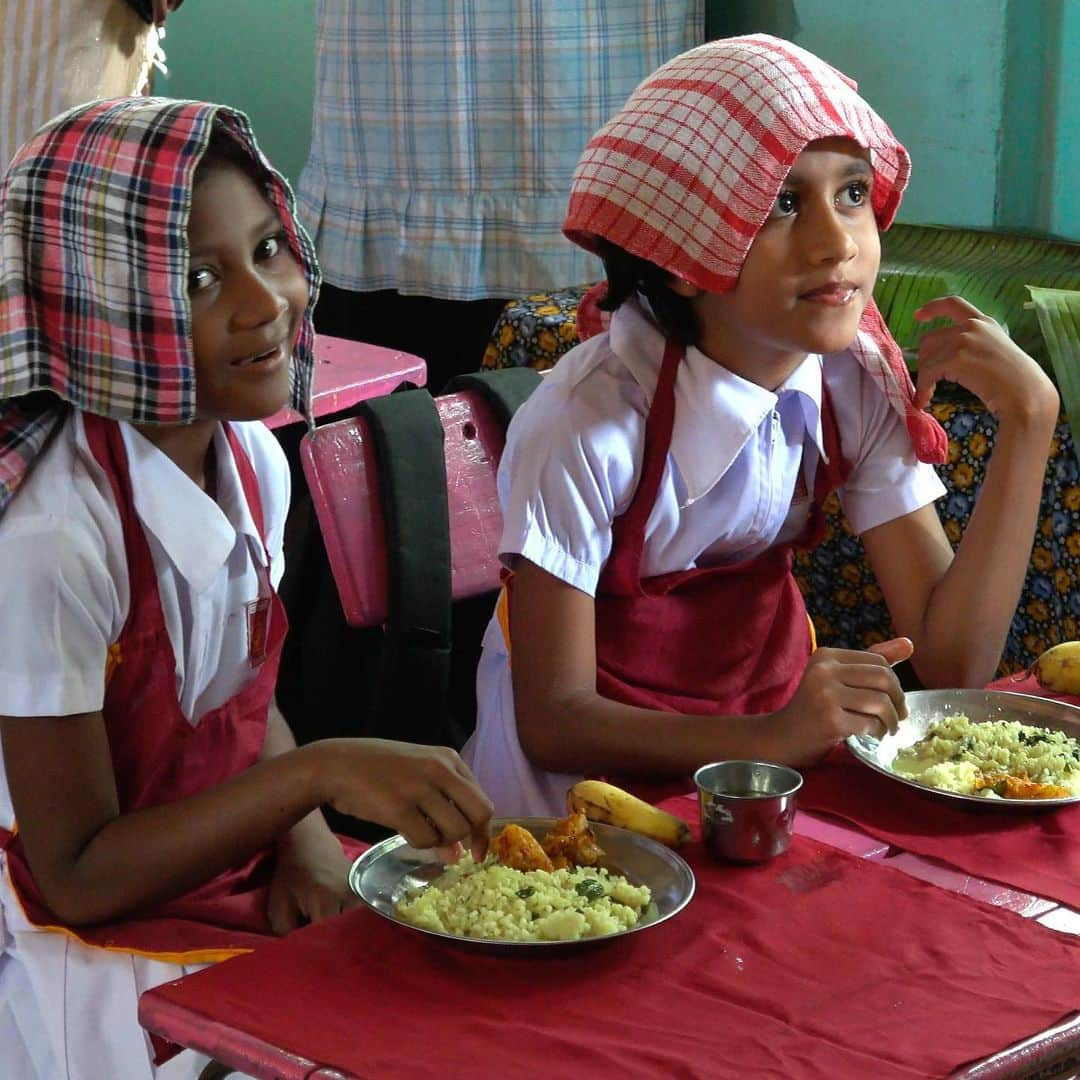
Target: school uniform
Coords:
[[127, 589], [706, 519]]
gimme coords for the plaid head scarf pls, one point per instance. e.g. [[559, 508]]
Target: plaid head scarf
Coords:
[[688, 171], [93, 271]]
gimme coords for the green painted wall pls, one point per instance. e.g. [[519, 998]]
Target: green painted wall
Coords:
[[256, 55], [982, 92], [1064, 196]]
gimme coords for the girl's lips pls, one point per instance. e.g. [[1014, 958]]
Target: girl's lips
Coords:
[[264, 363], [835, 294]]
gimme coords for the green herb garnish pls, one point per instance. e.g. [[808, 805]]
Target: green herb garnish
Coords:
[[591, 889]]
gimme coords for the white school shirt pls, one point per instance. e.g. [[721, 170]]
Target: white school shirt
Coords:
[[64, 590], [68, 1011], [571, 466]]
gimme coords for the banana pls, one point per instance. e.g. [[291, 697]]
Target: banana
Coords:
[[1058, 669], [600, 801]]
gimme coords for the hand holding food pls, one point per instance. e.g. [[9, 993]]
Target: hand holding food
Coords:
[[600, 801], [426, 793], [843, 692]]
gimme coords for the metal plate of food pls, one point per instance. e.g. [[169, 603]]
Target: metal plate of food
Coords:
[[392, 871], [979, 707]]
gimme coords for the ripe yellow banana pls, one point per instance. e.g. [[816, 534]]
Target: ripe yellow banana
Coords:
[[1058, 669], [600, 801]]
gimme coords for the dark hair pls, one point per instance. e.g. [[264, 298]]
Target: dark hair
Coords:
[[224, 150], [628, 275]]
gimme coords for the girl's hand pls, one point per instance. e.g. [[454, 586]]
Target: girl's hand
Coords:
[[310, 881], [843, 692], [426, 793], [977, 353]]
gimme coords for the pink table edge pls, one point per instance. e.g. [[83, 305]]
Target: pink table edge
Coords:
[[350, 371]]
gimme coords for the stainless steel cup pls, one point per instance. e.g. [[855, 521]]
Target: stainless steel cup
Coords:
[[747, 808]]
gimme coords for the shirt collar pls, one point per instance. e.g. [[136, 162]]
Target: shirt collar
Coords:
[[196, 533], [716, 411]]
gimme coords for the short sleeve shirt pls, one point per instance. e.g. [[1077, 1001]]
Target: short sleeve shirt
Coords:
[[731, 485], [64, 589]]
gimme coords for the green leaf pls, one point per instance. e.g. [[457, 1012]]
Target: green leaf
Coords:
[[990, 269], [1058, 314]]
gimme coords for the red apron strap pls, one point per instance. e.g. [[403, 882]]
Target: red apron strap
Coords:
[[106, 443], [623, 570], [833, 469], [248, 481]]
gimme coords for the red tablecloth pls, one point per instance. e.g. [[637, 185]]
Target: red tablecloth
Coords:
[[817, 964], [1037, 851]]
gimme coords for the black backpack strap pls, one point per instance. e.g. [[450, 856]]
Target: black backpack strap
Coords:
[[504, 390], [410, 701]]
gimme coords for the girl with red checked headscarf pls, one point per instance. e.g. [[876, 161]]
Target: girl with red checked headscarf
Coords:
[[654, 486], [155, 812]]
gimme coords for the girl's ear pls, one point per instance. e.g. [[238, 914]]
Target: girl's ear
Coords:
[[681, 287]]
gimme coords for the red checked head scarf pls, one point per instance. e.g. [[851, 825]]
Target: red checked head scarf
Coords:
[[93, 270], [688, 171]]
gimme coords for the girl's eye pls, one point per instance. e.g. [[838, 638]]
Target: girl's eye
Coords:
[[271, 246], [855, 194], [787, 202], [200, 278]]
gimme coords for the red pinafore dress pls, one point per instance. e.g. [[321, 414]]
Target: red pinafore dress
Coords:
[[730, 639], [726, 639], [158, 756]]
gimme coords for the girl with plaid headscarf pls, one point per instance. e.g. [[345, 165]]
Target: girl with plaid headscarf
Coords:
[[654, 485], [155, 813]]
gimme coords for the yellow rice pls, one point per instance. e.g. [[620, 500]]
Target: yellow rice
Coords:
[[497, 902], [956, 754]]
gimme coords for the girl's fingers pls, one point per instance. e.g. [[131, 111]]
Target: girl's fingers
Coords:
[[322, 904], [471, 801], [444, 815], [870, 713], [947, 307], [282, 912], [450, 853], [894, 650], [418, 830], [851, 656], [939, 343], [924, 393]]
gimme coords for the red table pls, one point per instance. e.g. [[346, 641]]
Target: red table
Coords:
[[350, 371], [360, 955]]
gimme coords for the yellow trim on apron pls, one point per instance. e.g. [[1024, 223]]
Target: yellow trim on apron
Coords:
[[502, 613], [193, 956]]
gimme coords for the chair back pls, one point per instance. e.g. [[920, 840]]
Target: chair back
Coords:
[[340, 467]]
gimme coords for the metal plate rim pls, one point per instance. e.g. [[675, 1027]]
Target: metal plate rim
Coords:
[[678, 864], [864, 748]]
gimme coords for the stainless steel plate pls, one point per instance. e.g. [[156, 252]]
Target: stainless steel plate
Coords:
[[383, 874], [980, 707]]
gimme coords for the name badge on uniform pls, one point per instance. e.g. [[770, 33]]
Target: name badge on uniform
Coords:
[[258, 627]]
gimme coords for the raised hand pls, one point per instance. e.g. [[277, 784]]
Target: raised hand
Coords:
[[977, 353]]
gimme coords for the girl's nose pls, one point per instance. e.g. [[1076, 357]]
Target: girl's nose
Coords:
[[828, 238], [257, 301]]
